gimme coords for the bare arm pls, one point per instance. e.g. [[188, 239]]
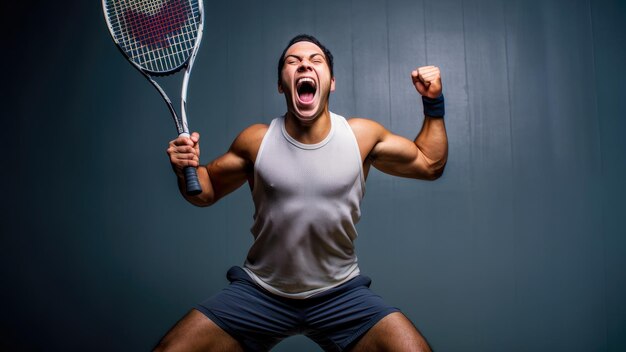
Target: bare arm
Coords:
[[224, 174], [423, 158]]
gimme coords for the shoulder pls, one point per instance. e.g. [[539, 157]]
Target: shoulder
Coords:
[[366, 129], [252, 133], [248, 142], [368, 134], [360, 122]]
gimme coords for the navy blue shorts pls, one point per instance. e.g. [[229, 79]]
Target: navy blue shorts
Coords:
[[335, 319]]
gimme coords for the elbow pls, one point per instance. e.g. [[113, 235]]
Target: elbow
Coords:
[[200, 203], [435, 175], [202, 200], [435, 170], [206, 202], [203, 204]]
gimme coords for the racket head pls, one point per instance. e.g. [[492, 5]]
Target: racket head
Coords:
[[157, 36]]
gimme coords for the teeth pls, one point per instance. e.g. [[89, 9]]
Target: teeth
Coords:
[[305, 79]]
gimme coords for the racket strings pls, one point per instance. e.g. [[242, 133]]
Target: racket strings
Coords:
[[152, 29], [157, 35]]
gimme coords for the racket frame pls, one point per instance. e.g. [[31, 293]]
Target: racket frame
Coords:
[[180, 121]]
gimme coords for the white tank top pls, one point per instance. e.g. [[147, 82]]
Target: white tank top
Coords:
[[307, 201]]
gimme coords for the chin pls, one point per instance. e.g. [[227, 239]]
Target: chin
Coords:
[[305, 118], [309, 115]]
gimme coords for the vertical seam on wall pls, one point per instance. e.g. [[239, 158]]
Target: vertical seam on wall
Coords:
[[388, 66], [468, 111], [425, 36], [512, 143], [508, 87], [601, 200], [393, 180], [511, 149], [352, 56], [228, 66], [467, 94], [264, 104]]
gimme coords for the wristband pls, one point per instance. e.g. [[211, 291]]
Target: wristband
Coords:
[[434, 107]]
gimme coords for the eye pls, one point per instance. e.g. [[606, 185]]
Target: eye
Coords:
[[318, 60]]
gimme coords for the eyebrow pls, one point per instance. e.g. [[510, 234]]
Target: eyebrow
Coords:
[[300, 57]]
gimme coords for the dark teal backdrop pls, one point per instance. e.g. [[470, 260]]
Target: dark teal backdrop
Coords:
[[519, 246]]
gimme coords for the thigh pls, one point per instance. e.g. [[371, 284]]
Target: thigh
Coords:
[[196, 332], [392, 333]]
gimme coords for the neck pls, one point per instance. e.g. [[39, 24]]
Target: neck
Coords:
[[308, 132]]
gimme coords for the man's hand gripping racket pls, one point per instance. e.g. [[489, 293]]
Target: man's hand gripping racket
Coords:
[[160, 37]]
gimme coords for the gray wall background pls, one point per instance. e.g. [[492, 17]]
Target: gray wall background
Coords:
[[519, 246]]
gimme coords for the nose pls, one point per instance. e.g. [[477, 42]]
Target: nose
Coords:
[[304, 66]]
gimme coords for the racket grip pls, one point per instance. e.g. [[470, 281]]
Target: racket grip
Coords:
[[191, 179]]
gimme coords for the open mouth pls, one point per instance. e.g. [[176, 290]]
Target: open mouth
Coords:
[[306, 88]]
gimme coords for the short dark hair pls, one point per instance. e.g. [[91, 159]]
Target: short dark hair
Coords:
[[306, 38]]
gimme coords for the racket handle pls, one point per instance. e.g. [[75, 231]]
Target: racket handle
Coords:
[[191, 179]]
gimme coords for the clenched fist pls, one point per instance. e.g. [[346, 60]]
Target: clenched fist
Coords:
[[427, 81], [184, 151]]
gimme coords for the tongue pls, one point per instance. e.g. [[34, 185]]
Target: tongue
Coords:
[[307, 97]]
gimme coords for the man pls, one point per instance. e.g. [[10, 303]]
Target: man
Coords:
[[307, 173]]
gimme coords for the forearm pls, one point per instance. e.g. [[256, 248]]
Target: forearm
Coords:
[[432, 142], [425, 157], [217, 179], [206, 198], [432, 139]]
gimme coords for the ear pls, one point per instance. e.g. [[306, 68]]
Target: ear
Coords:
[[280, 88], [332, 84]]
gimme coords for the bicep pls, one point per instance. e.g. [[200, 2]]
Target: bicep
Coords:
[[227, 173], [399, 156], [235, 167]]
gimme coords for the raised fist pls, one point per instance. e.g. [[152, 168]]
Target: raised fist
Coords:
[[427, 81]]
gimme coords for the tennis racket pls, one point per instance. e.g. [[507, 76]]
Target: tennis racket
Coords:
[[159, 38]]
